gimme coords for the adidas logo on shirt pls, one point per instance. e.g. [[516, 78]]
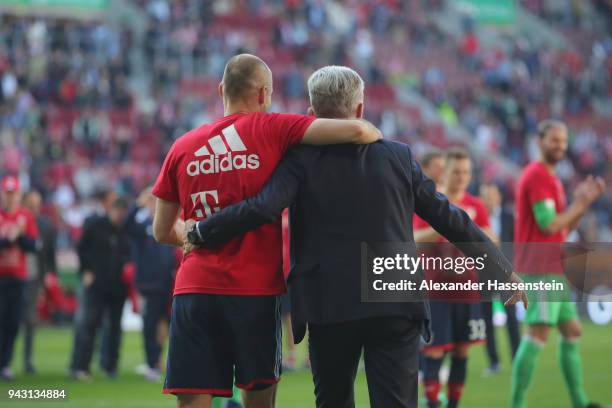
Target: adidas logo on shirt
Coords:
[[221, 158]]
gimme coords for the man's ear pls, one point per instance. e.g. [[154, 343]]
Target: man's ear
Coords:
[[220, 89], [359, 111], [310, 111], [261, 96]]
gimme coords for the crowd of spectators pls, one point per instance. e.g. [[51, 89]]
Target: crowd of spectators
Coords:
[[70, 125], [60, 82], [522, 83]]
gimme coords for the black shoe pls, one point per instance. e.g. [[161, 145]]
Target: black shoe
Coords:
[[595, 405], [29, 369]]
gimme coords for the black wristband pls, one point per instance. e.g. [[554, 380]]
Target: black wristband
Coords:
[[193, 235]]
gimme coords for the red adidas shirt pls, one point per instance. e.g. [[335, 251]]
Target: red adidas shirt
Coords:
[[13, 258], [537, 184], [219, 164], [477, 211]]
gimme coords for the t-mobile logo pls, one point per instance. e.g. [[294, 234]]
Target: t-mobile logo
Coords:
[[201, 201]]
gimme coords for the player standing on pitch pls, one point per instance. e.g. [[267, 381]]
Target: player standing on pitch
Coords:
[[18, 235], [543, 217], [456, 324], [226, 309]]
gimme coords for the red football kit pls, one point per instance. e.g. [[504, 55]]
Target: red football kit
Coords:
[[13, 258], [537, 184], [219, 164], [477, 211]]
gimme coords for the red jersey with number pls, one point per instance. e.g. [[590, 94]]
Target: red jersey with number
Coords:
[[13, 258], [477, 211], [537, 184], [219, 164]]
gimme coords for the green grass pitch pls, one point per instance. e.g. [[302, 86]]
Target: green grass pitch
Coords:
[[295, 389]]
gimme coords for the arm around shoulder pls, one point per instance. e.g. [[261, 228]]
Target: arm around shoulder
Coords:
[[338, 131]]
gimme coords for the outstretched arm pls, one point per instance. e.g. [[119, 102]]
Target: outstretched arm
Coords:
[[456, 226], [266, 207]]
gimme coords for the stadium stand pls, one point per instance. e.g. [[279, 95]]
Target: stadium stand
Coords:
[[77, 113]]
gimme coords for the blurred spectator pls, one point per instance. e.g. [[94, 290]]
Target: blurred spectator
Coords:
[[155, 266], [39, 263], [434, 167], [104, 250], [502, 225], [18, 235]]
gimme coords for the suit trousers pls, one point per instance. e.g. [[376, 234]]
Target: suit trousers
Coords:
[[390, 348], [94, 308]]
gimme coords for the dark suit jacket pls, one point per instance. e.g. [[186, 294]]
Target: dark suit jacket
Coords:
[[340, 197], [155, 263], [104, 250]]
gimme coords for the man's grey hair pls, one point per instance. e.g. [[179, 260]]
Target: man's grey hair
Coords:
[[335, 91]]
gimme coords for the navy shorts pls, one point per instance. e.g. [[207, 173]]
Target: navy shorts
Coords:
[[454, 324], [216, 338]]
